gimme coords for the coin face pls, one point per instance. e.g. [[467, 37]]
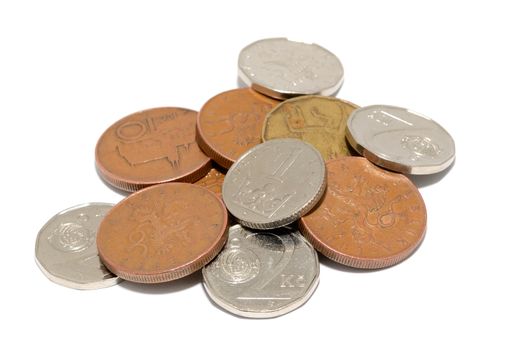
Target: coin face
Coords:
[[261, 274], [66, 248], [231, 123], [369, 218], [281, 68], [150, 147], [400, 140], [274, 183], [213, 180], [162, 233], [318, 120]]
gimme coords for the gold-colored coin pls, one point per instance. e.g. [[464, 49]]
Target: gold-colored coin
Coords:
[[318, 120]]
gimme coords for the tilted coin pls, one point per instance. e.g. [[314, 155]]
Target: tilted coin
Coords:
[[150, 147], [282, 68], [318, 120], [274, 183], [261, 274], [231, 122], [163, 233], [66, 248], [400, 140], [213, 180], [369, 218]]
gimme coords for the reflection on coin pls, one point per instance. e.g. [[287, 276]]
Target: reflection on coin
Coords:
[[400, 140], [150, 147], [318, 120], [262, 274], [66, 248], [230, 123], [274, 183], [369, 218], [213, 180], [281, 68], [163, 233]]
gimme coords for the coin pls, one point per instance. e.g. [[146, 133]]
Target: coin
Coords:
[[66, 251], [281, 68], [274, 183], [262, 274], [150, 147], [213, 180], [230, 123], [400, 140], [318, 120], [369, 218], [163, 233]]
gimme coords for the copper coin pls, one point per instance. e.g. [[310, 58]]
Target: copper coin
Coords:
[[369, 218], [213, 180], [150, 147], [163, 233], [231, 123]]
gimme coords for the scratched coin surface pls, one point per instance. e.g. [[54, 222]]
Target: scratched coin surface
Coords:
[[150, 147], [274, 183], [318, 120], [282, 68], [400, 140], [66, 248], [231, 122], [369, 218], [213, 180], [262, 274], [163, 233]]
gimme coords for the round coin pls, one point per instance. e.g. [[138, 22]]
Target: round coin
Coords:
[[150, 147], [400, 140], [274, 183], [318, 120], [163, 233], [262, 274], [213, 180], [282, 68], [66, 251], [369, 218], [230, 123]]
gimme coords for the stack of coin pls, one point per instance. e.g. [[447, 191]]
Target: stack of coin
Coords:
[[295, 169]]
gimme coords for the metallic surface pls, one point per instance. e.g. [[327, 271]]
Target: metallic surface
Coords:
[[231, 122], [261, 274], [400, 140], [213, 180], [66, 251], [274, 183], [369, 218], [150, 147], [318, 120], [163, 233], [282, 69]]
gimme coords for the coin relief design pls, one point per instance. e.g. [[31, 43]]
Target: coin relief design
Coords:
[[149, 147], [318, 120], [262, 273], [368, 218]]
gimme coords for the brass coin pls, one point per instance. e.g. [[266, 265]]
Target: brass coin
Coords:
[[318, 120]]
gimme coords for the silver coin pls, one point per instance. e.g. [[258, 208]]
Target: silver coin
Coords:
[[274, 183], [400, 140], [262, 274], [66, 249], [281, 68]]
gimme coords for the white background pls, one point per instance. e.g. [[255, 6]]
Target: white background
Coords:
[[67, 72]]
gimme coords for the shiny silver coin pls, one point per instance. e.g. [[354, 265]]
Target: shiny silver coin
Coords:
[[262, 274], [274, 183], [282, 69], [66, 249], [400, 140]]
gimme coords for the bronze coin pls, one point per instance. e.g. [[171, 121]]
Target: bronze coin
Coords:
[[213, 180], [369, 218], [150, 147], [163, 233], [230, 123]]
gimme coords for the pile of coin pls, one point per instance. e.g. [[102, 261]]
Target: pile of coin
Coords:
[[251, 186]]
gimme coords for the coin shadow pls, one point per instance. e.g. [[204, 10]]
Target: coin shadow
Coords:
[[428, 180], [166, 287], [241, 84]]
